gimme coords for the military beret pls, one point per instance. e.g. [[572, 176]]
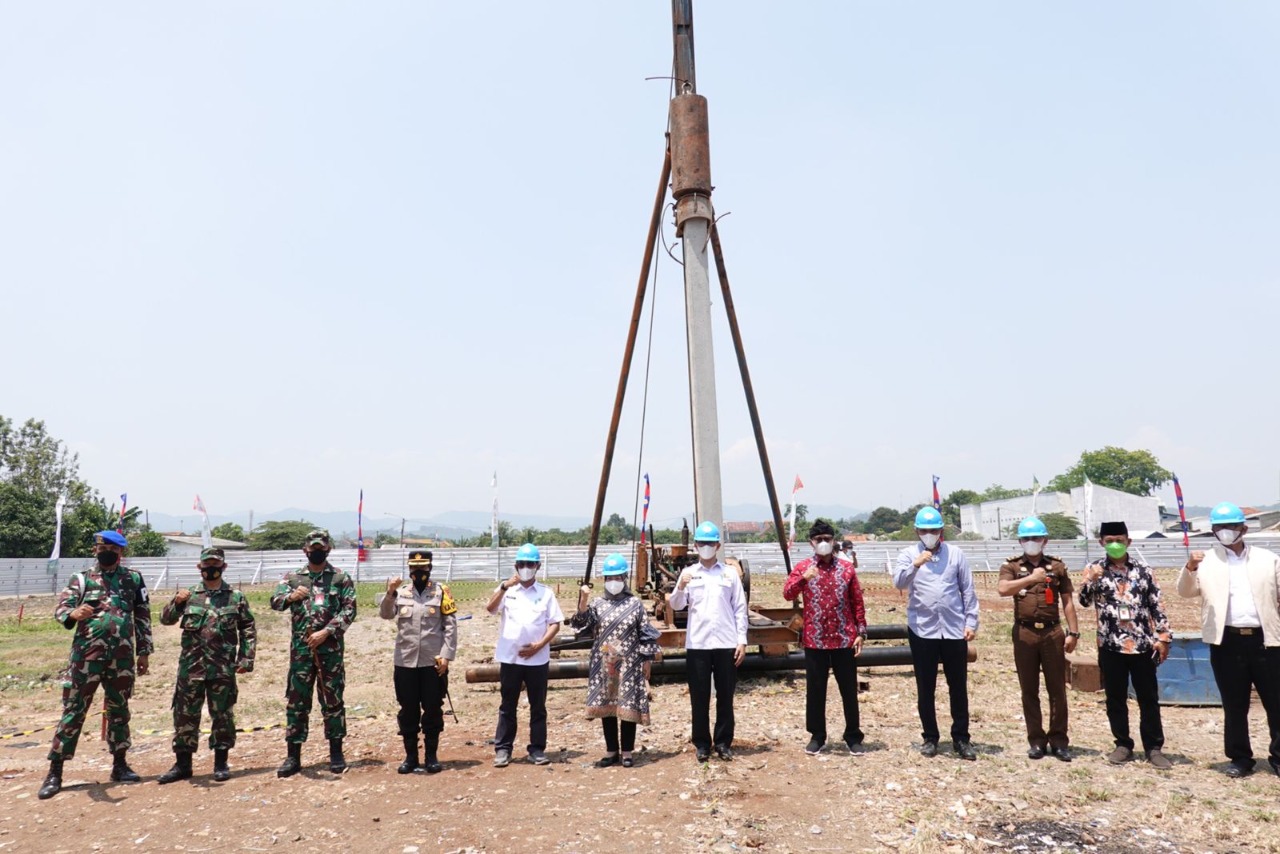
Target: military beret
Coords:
[[111, 538]]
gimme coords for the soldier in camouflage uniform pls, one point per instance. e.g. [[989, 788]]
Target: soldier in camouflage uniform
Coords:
[[108, 608], [426, 641], [321, 600], [218, 640]]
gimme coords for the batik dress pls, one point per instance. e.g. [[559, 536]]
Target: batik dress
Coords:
[[624, 641]]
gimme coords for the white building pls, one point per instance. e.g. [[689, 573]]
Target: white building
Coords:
[[182, 546], [994, 519]]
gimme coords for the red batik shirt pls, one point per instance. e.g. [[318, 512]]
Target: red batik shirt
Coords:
[[833, 611]]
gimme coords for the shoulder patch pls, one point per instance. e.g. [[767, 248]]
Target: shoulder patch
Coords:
[[447, 605]]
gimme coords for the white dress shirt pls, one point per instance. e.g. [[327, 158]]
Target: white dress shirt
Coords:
[[1242, 612], [525, 614], [717, 608]]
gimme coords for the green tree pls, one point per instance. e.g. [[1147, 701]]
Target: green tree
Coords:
[[279, 536], [884, 520], [229, 531], [147, 543], [1061, 526], [1135, 472], [952, 503], [995, 492]]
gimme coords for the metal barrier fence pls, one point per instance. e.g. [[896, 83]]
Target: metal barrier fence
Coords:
[[33, 576]]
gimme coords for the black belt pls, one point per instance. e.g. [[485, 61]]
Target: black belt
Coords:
[[1039, 624], [1244, 631]]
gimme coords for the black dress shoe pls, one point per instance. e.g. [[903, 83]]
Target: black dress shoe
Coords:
[[1239, 769], [704, 755], [929, 749], [725, 754], [965, 750], [1036, 752], [1062, 754]]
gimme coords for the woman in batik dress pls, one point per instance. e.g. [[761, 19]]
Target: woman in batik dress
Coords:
[[625, 644]]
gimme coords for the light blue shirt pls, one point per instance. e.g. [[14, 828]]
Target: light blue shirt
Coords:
[[941, 601]]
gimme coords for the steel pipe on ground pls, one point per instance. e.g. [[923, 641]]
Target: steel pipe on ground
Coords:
[[576, 668]]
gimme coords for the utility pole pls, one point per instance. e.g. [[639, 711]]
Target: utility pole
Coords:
[[691, 187]]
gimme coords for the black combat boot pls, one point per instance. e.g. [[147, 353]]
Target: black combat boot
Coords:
[[120, 770], [431, 743], [410, 763], [181, 770], [53, 782], [293, 764], [221, 772], [337, 762]]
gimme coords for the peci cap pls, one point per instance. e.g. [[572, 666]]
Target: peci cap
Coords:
[[1113, 529]]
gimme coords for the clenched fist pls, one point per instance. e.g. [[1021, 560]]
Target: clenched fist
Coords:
[[181, 597]]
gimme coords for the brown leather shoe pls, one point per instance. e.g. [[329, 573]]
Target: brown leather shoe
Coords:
[[1120, 755], [1158, 760]]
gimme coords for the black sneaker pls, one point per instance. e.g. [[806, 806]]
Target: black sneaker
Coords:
[[537, 757], [815, 745], [704, 755], [854, 745], [725, 754], [929, 749]]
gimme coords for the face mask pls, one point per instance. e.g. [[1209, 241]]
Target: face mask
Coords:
[[1031, 548], [1116, 550], [930, 540], [317, 557], [708, 551], [613, 588], [824, 548], [210, 573], [527, 573], [108, 558], [1227, 536], [420, 579]]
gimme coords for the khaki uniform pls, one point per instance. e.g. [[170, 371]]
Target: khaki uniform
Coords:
[[1038, 638], [426, 628]]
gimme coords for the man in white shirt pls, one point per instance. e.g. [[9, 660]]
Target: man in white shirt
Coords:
[[531, 617], [1239, 586], [715, 640]]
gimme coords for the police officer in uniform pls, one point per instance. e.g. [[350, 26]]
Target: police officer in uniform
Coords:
[[108, 609], [1039, 584], [321, 601], [426, 641], [218, 641]]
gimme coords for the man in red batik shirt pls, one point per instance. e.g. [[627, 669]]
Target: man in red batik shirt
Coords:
[[835, 625]]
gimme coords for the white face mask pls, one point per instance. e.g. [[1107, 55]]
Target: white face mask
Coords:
[[708, 551], [930, 540], [613, 588], [1227, 536], [527, 574], [824, 548], [1032, 547]]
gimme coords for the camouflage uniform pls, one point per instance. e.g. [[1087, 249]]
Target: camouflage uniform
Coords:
[[332, 606], [218, 636], [102, 651]]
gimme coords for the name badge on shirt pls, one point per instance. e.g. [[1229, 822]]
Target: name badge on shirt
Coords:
[[1125, 613], [697, 581], [318, 599], [726, 581]]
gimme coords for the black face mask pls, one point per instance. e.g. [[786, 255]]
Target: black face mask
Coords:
[[108, 558], [420, 579], [210, 573], [317, 557]]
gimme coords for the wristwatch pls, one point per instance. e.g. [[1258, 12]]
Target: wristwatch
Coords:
[[1075, 635]]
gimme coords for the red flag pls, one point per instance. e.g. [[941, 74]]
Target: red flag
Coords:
[[644, 519], [1182, 511], [937, 499], [361, 557], [798, 486], [124, 504]]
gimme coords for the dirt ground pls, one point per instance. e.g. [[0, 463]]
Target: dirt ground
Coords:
[[771, 798]]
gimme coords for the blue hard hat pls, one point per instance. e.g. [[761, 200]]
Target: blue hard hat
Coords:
[[1226, 513], [114, 538], [928, 517], [707, 532], [614, 564], [1032, 527], [529, 552]]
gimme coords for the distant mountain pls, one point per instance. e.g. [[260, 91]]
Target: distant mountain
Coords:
[[761, 512]]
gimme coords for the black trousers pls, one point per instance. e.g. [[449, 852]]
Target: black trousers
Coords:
[[533, 678], [611, 735], [817, 664], [1119, 669], [1239, 663], [926, 654], [420, 692], [704, 666]]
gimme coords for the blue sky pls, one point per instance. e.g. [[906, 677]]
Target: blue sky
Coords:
[[276, 253]]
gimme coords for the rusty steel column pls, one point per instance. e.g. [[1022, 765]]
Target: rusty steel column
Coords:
[[691, 187]]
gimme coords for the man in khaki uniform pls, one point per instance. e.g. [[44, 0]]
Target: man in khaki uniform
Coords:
[[426, 641], [1038, 583]]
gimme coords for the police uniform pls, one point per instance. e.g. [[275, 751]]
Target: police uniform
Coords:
[[330, 605], [426, 632], [103, 652], [1038, 638], [219, 638]]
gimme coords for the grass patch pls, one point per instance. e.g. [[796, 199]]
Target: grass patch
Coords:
[[34, 652]]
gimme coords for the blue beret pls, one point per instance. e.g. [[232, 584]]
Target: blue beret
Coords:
[[112, 537]]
